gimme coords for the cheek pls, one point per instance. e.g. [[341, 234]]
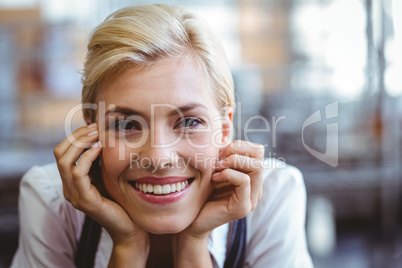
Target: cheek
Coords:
[[114, 160], [115, 150], [203, 148], [211, 138], [202, 158]]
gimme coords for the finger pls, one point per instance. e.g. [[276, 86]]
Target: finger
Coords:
[[221, 191], [66, 161], [73, 153], [251, 166], [247, 148], [239, 162], [85, 190], [239, 201], [260, 194], [61, 148], [81, 170]]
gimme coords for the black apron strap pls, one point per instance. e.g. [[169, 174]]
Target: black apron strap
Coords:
[[88, 244], [91, 231], [236, 247]]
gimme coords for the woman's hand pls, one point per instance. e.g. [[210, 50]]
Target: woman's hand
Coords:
[[74, 164], [238, 179]]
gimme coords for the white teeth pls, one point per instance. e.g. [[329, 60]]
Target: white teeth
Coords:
[[166, 189], [157, 189], [178, 186], [161, 189], [150, 188]]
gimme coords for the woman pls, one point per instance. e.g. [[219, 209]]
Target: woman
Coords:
[[161, 175]]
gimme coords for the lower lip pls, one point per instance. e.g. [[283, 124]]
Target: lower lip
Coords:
[[162, 199]]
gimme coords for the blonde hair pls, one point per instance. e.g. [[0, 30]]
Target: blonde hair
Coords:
[[139, 36]]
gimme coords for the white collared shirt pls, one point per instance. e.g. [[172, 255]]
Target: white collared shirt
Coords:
[[50, 227]]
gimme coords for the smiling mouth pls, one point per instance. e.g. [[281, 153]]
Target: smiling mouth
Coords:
[[163, 189]]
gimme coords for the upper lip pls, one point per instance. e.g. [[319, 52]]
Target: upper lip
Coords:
[[162, 180]]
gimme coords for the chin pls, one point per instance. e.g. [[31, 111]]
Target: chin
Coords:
[[165, 226], [166, 230]]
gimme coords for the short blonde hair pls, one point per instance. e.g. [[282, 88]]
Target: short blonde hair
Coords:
[[139, 36]]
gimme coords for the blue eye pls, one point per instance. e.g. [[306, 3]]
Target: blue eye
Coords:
[[126, 125], [189, 122]]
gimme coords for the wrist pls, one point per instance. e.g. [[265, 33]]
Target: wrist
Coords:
[[129, 253], [186, 237], [191, 251]]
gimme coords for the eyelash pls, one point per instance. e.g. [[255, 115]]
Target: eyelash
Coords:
[[117, 125], [120, 125], [190, 119]]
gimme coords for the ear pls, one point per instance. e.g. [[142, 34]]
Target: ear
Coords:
[[89, 119], [227, 124]]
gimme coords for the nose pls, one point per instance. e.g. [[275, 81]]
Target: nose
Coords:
[[160, 151]]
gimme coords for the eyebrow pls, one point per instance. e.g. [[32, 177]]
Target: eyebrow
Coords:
[[129, 111], [186, 108], [123, 110]]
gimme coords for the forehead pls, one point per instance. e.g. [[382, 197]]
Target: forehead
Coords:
[[167, 82]]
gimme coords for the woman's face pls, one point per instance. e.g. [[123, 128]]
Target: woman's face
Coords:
[[161, 132]]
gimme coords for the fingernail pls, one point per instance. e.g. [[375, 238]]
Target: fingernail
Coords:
[[215, 174], [95, 145], [92, 133], [92, 125]]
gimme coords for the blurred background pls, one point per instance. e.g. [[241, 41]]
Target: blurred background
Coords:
[[318, 82]]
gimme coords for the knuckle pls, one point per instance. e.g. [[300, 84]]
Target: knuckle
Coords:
[[245, 178], [227, 174], [240, 211], [66, 195], [248, 208], [253, 206], [236, 143], [76, 173], [245, 210], [56, 151], [63, 163], [75, 203], [260, 149]]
